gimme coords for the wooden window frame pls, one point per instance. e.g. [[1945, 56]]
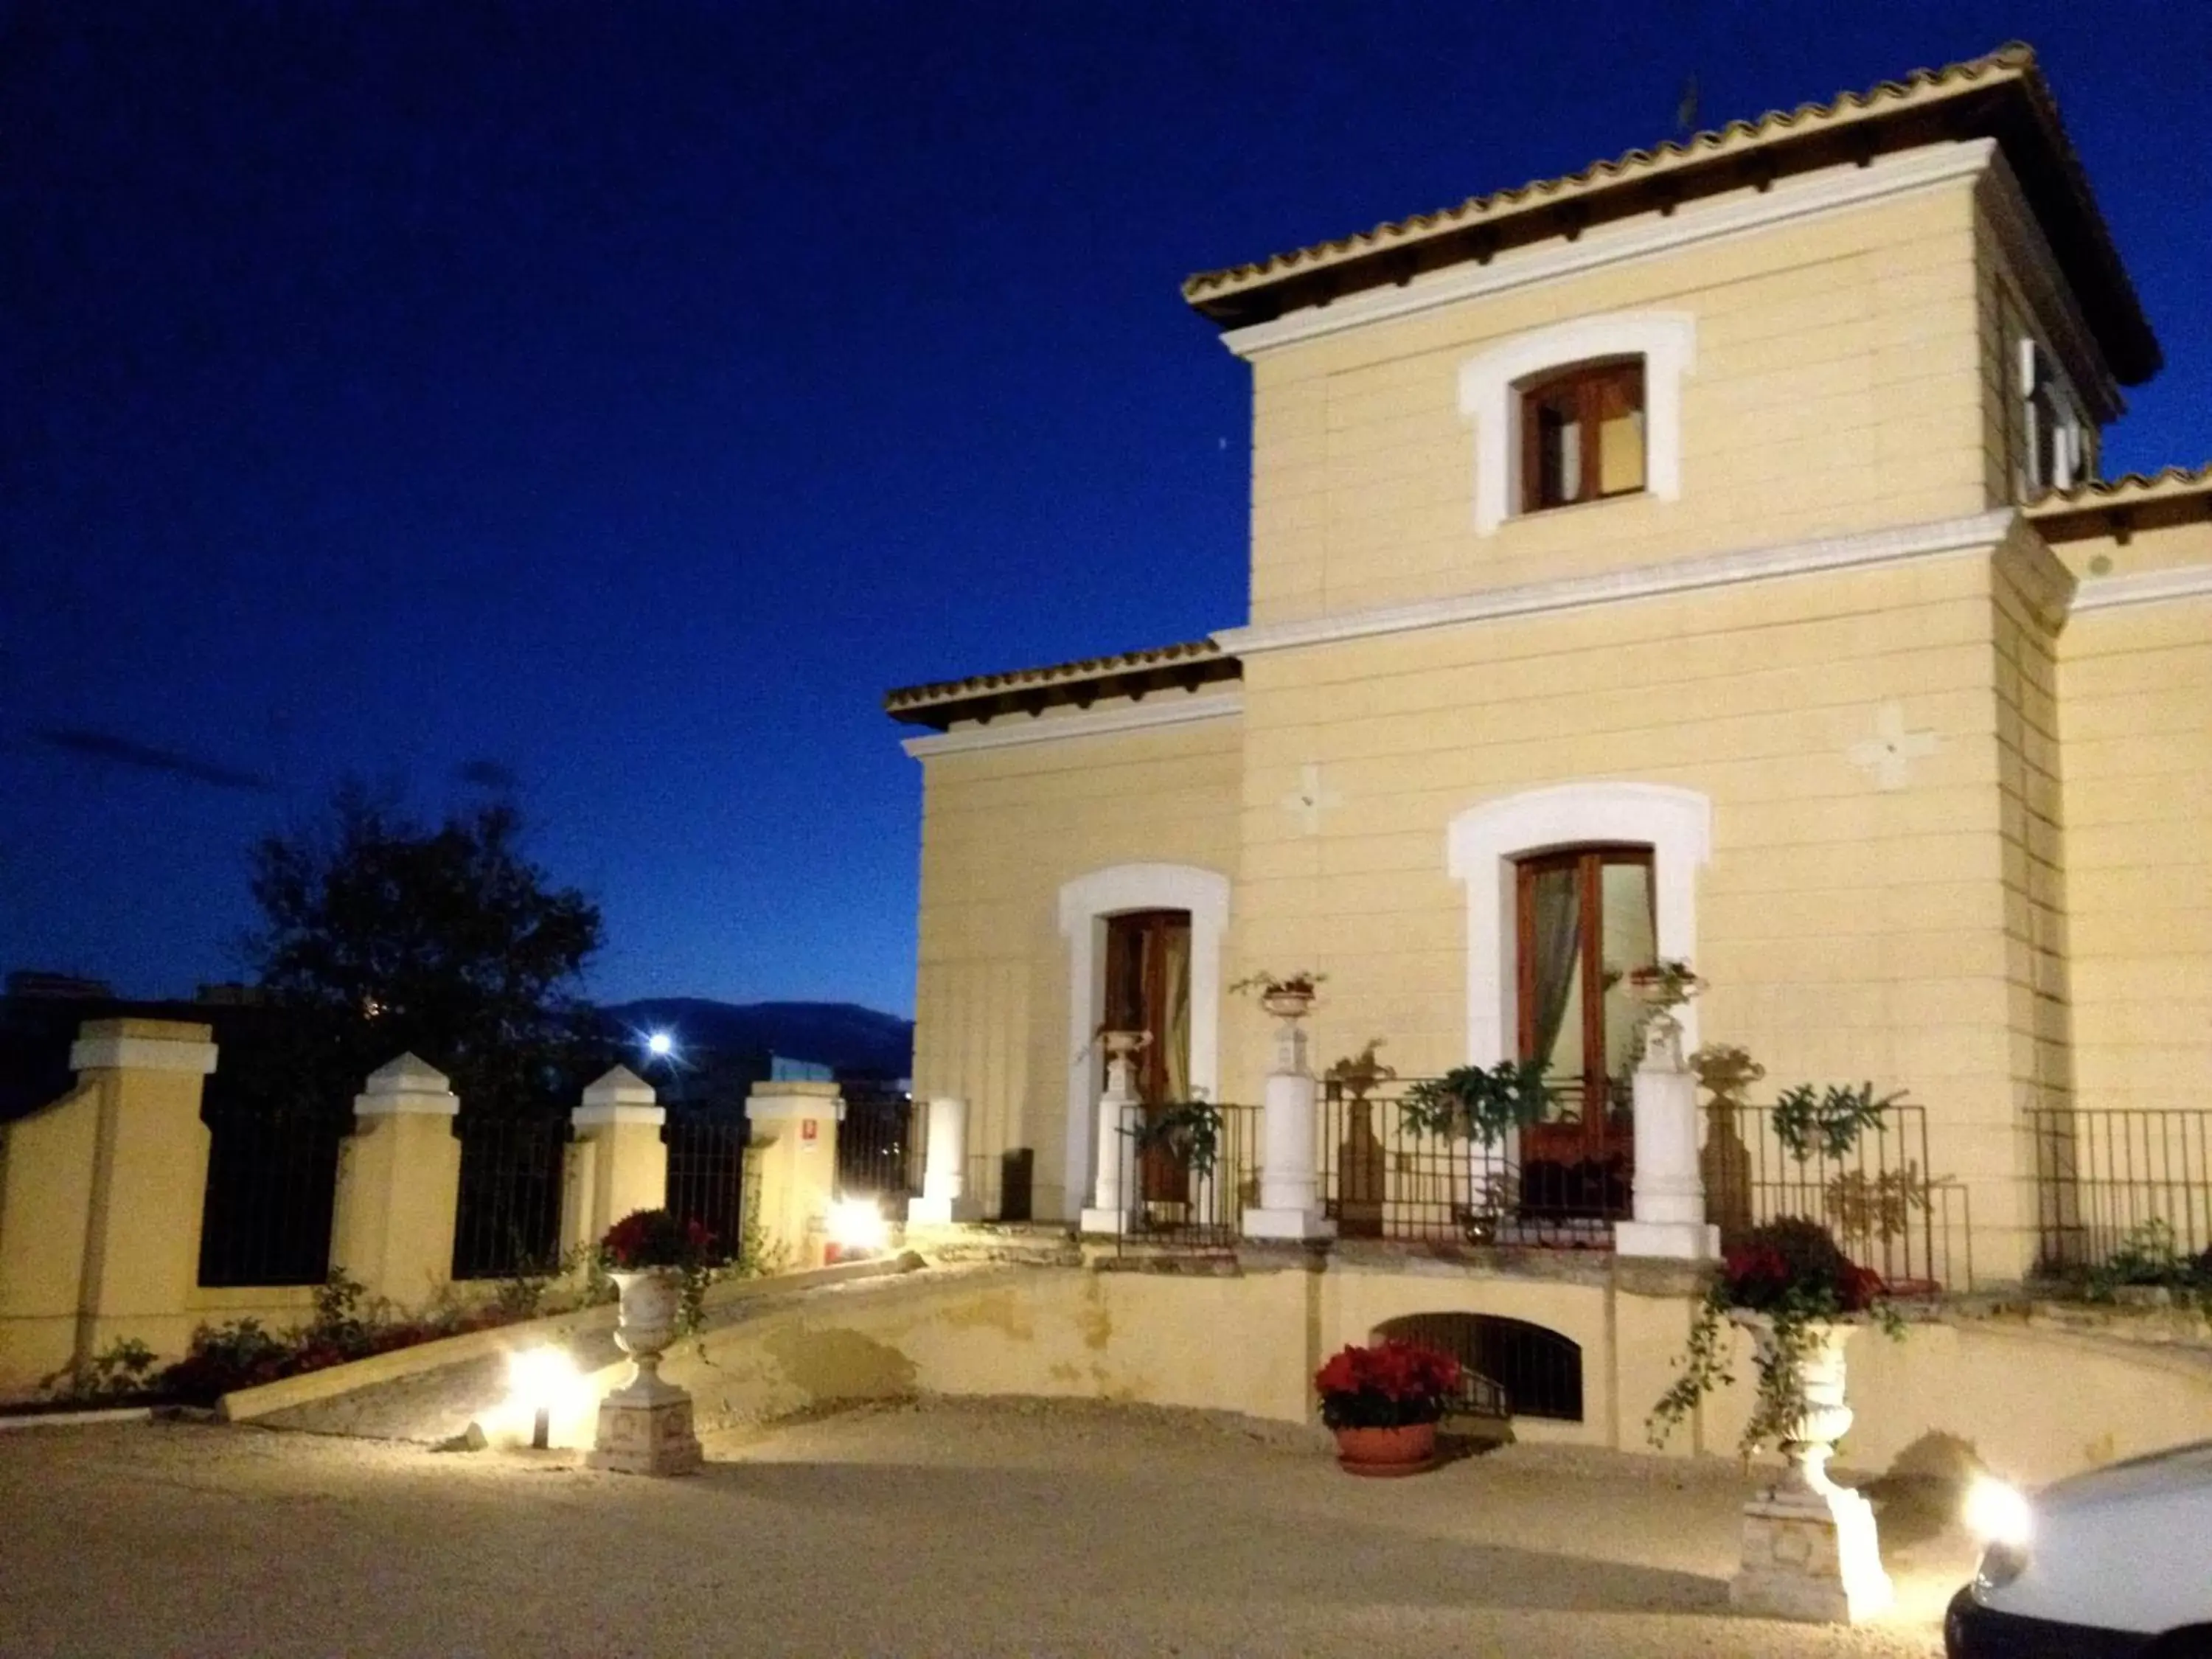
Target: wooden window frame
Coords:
[[1588, 862], [1586, 382]]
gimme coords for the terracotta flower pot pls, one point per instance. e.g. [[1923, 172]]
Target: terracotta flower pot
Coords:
[[1409, 1449]]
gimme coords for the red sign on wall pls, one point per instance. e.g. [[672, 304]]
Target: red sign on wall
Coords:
[[806, 1128]]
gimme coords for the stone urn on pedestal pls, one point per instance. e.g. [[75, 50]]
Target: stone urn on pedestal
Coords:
[[645, 1425], [1810, 1549], [1361, 1162]]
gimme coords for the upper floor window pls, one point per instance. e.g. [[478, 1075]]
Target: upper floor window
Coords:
[[1582, 434], [2056, 452], [1578, 411]]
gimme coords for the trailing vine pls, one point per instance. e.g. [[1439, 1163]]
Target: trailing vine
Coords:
[[1791, 1272]]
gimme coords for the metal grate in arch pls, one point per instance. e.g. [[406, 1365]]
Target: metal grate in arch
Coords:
[[1513, 1367]]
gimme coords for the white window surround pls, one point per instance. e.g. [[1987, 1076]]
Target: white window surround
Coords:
[[1667, 341], [1483, 842], [1085, 904]]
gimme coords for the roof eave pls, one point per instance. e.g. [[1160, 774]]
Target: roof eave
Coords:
[[2005, 99]]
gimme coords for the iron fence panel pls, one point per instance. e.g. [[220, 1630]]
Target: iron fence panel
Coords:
[[2127, 1174], [272, 1185], [1382, 1178], [879, 1149], [1179, 1202], [507, 1219], [707, 1175]]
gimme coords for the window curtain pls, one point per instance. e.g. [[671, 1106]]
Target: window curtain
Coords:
[[1175, 992], [1558, 907]]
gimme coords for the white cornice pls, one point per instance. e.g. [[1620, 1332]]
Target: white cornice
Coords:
[[2188, 581], [1876, 547], [1158, 709], [1829, 191]]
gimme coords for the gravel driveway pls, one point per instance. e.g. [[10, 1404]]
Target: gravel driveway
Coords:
[[974, 1528]]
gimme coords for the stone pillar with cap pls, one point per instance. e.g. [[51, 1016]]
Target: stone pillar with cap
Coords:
[[1119, 1108], [399, 1182], [794, 1146], [1291, 1205], [101, 1196], [1668, 1190], [617, 1162], [943, 1172]]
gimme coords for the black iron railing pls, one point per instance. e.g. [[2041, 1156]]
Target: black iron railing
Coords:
[[272, 1182], [1185, 1197], [880, 1149], [2138, 1177], [1382, 1178], [1877, 1197], [507, 1220], [707, 1175]]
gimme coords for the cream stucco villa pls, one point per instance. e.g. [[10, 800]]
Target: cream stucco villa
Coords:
[[1701, 555]]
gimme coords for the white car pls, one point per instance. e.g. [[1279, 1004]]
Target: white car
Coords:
[[2116, 1561]]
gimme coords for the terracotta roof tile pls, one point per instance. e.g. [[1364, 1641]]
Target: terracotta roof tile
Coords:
[[1088, 668], [2128, 487], [2011, 60], [2013, 63], [2134, 500]]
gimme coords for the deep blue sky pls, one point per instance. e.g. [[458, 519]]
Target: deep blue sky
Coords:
[[617, 398]]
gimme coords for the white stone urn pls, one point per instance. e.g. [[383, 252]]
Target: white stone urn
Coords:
[[1660, 994], [645, 1323], [1286, 1003], [645, 1425], [1810, 1547], [1809, 1441], [1122, 1048]]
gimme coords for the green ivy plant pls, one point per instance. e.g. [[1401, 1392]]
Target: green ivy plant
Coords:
[[2151, 1255], [1189, 1131], [1476, 1102], [1831, 1121]]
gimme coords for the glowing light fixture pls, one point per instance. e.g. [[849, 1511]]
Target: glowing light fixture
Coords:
[[1998, 1514], [660, 1045], [538, 1379], [856, 1227]]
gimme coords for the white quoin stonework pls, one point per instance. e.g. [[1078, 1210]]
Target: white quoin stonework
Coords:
[[1289, 1191], [1669, 1194], [943, 1171]]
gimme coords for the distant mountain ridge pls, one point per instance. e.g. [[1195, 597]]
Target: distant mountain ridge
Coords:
[[843, 1035]]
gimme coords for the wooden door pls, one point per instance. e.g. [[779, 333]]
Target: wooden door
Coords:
[[1584, 919], [1148, 989]]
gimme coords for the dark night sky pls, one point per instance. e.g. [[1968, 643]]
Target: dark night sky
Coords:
[[606, 402]]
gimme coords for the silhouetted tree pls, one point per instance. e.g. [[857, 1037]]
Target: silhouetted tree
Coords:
[[381, 934]]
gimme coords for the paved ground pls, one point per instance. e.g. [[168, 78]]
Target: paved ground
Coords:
[[983, 1528]]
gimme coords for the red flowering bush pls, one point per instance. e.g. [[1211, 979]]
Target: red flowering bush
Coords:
[[1795, 1274], [1386, 1385], [655, 1238], [1794, 1263]]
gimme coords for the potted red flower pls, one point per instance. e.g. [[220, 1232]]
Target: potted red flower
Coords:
[[1384, 1400]]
